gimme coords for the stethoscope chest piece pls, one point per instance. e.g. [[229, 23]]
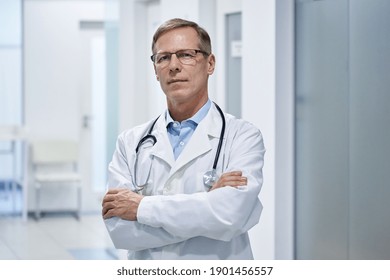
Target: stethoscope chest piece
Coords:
[[210, 177]]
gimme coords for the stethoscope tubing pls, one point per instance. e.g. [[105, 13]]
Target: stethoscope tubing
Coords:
[[150, 136], [147, 136], [220, 137]]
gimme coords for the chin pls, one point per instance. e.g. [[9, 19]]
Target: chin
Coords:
[[179, 97], [178, 93]]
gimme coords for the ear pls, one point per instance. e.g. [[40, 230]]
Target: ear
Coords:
[[211, 64]]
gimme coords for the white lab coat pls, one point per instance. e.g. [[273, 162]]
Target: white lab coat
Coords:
[[178, 218]]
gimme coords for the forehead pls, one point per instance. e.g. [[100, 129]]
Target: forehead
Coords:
[[177, 39]]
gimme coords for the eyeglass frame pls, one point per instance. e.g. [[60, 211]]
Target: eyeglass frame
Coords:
[[153, 57]]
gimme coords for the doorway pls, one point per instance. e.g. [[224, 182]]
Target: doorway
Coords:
[[64, 41]]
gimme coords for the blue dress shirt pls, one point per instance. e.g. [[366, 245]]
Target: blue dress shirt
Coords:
[[180, 133]]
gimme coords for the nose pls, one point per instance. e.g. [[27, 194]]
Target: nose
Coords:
[[174, 64]]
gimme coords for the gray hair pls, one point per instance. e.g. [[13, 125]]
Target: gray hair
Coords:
[[204, 38]]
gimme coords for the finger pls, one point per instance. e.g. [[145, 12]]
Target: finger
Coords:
[[229, 183], [107, 207], [108, 198], [234, 183], [233, 180], [113, 190], [109, 214], [232, 173], [111, 195], [230, 177]]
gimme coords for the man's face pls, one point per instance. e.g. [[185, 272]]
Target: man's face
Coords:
[[183, 83]]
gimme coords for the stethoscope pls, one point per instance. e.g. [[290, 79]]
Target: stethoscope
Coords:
[[209, 177]]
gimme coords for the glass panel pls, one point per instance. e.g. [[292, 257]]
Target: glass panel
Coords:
[[342, 134], [112, 82], [10, 23], [322, 129], [233, 64], [10, 95], [10, 86], [99, 126], [10, 63], [369, 128]]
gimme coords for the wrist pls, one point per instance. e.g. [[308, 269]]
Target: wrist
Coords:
[[138, 202]]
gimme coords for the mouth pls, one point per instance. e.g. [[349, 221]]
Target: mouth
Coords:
[[173, 81]]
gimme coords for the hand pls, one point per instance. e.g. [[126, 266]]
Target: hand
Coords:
[[122, 203], [231, 179]]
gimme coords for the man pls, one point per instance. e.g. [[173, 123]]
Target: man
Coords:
[[158, 205]]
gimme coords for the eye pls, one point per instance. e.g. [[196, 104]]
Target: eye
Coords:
[[185, 54], [162, 57]]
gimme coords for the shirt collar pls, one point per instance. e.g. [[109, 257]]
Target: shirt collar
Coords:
[[197, 118]]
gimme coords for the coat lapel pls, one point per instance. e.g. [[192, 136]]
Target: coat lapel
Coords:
[[208, 128], [199, 143], [162, 149]]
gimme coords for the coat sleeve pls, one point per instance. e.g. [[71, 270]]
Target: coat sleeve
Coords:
[[131, 235], [220, 214]]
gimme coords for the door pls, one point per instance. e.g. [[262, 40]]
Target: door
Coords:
[[94, 105]]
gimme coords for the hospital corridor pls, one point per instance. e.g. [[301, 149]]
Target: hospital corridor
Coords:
[[309, 77]]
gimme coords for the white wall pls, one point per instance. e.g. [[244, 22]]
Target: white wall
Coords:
[[258, 107]]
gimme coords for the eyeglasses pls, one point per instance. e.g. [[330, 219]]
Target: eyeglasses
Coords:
[[187, 57]]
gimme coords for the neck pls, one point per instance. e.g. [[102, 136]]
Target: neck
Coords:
[[182, 111]]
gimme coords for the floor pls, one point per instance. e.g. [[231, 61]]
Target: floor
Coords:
[[57, 236]]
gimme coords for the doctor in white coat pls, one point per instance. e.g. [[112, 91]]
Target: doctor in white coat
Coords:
[[158, 205]]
